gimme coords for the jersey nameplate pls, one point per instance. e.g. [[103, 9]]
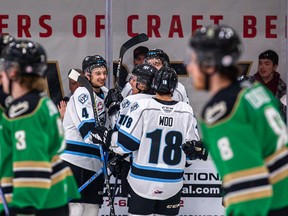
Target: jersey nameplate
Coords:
[[18, 109], [215, 112], [165, 121]]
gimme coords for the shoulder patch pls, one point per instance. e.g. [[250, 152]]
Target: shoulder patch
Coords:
[[257, 97], [83, 98], [125, 103], [134, 106]]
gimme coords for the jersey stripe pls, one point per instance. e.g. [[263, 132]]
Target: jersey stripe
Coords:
[[129, 142], [278, 165], [246, 185], [159, 174], [82, 149], [85, 127]]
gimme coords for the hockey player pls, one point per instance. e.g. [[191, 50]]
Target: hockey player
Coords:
[[153, 130], [253, 166], [34, 179], [82, 156], [4, 40], [159, 58], [143, 74]]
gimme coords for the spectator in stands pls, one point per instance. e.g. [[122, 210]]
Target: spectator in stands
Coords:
[[267, 74]]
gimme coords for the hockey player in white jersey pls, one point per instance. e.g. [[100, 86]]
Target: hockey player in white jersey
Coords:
[[153, 130], [159, 58], [144, 74], [81, 155]]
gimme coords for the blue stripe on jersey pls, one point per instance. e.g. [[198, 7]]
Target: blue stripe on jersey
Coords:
[[155, 179], [82, 154], [163, 175], [82, 149], [85, 127], [122, 147], [127, 141], [158, 168], [72, 142]]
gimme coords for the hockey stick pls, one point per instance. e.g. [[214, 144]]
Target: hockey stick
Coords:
[[74, 75], [127, 45], [4, 202]]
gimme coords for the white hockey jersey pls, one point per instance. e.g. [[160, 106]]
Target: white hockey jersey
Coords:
[[154, 131], [78, 122], [179, 94]]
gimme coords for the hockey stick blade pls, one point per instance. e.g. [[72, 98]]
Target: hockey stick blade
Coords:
[[132, 42], [76, 76]]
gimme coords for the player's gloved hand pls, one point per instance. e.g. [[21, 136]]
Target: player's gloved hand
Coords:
[[112, 101], [115, 165], [29, 211], [101, 135], [195, 150]]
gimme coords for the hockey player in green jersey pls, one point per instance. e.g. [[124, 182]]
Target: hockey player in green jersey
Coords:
[[33, 178], [241, 127]]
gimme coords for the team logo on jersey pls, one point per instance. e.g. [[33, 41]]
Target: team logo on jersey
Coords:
[[167, 109], [18, 109], [157, 191], [100, 106], [134, 106], [83, 98], [215, 112], [125, 103], [166, 121]]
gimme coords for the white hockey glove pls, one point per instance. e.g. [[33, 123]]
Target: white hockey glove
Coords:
[[195, 150]]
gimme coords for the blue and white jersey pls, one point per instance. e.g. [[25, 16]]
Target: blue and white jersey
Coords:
[[78, 122], [153, 132], [180, 94]]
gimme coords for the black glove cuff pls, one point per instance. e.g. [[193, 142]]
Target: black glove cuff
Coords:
[[108, 138], [113, 108]]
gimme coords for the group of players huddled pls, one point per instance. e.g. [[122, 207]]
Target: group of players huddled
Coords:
[[150, 124]]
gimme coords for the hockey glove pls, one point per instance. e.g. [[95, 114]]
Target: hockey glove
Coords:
[[195, 150], [112, 101], [101, 135]]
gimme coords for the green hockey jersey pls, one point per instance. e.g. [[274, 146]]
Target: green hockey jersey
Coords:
[[32, 174], [247, 140]]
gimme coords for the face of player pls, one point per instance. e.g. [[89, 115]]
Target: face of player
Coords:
[[266, 68], [139, 60], [98, 77], [4, 81], [73, 85], [133, 82], [198, 77], [155, 62]]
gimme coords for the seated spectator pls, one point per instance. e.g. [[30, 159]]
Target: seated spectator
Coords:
[[267, 74]]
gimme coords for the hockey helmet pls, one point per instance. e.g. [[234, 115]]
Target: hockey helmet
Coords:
[[4, 40], [30, 57], [144, 73], [216, 46], [165, 80], [91, 62], [158, 54]]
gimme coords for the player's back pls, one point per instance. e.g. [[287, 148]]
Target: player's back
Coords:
[[157, 128]]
